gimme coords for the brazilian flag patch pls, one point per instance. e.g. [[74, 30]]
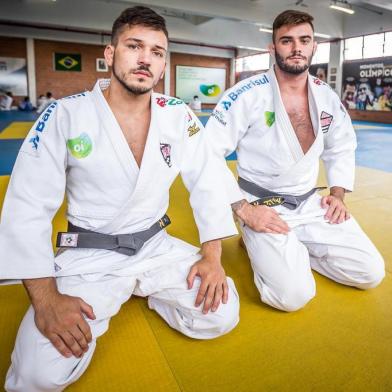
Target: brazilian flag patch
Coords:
[[269, 118], [67, 62]]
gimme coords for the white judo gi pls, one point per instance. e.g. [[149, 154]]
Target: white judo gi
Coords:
[[77, 146], [251, 119]]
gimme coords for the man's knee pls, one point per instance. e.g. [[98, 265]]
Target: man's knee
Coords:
[[223, 320], [373, 274], [31, 377], [289, 296]]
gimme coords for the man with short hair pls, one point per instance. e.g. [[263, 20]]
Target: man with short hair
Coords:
[[195, 104], [281, 123], [115, 151]]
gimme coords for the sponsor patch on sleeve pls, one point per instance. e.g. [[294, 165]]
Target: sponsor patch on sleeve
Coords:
[[40, 126]]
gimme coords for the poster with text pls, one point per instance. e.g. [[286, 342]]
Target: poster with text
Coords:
[[367, 84], [207, 83], [13, 75]]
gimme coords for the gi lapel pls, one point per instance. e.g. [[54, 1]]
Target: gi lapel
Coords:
[[282, 119], [115, 134], [145, 176]]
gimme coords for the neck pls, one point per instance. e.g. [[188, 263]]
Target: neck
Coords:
[[120, 99], [291, 83]]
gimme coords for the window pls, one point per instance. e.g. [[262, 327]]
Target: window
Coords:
[[388, 44], [322, 53], [253, 63], [373, 45], [353, 48]]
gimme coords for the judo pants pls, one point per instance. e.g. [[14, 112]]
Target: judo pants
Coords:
[[282, 264], [38, 366]]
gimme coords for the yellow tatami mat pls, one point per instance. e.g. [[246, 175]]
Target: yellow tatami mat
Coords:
[[16, 130], [341, 341]]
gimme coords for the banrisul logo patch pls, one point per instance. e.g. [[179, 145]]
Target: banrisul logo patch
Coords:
[[269, 118], [211, 90], [81, 146]]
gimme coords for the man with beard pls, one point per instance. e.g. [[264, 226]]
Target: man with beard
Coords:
[[115, 151], [280, 123]]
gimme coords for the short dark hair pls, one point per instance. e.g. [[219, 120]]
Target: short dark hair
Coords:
[[139, 15], [291, 17]]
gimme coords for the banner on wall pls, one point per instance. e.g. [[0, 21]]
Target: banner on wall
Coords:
[[367, 84], [13, 75], [67, 62], [207, 83]]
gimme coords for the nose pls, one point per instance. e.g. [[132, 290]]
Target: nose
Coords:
[[144, 57]]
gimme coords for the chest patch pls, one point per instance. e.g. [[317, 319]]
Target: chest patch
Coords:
[[166, 153], [80, 147], [193, 129], [325, 120], [269, 118]]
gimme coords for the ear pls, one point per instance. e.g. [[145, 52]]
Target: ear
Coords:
[[314, 47], [109, 54], [271, 49]]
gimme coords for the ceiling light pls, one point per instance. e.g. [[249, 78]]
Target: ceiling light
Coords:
[[320, 35], [265, 30], [342, 6]]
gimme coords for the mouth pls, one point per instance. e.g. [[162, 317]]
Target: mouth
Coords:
[[296, 58], [142, 74]]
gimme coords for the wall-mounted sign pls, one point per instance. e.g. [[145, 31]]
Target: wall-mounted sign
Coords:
[[13, 75], [367, 84], [207, 83]]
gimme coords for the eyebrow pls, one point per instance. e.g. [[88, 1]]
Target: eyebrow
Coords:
[[141, 41], [291, 37]]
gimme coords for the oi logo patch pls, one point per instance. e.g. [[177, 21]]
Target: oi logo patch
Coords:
[[81, 146]]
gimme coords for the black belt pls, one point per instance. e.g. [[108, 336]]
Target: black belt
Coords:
[[127, 244], [270, 199]]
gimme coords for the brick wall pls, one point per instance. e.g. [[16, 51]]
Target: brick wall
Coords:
[[197, 61], [63, 83], [12, 47]]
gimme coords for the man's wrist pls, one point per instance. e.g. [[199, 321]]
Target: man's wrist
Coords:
[[212, 250], [240, 208], [40, 290], [338, 192]]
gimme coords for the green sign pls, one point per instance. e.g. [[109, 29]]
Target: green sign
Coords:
[[67, 62]]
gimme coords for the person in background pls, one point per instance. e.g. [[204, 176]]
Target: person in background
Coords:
[[26, 105], [44, 101], [6, 101], [195, 104]]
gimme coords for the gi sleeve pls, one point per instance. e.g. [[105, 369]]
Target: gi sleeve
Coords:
[[34, 194], [225, 127], [339, 150], [203, 179]]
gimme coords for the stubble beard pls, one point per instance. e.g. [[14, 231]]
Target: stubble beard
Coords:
[[132, 89], [292, 69]]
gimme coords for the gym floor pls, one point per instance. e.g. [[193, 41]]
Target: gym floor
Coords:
[[341, 341]]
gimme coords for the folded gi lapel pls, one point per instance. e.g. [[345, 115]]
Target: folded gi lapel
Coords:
[[115, 135], [283, 121]]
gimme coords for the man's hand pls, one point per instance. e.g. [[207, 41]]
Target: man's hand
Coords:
[[213, 286], [261, 219], [336, 209], [59, 317]]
